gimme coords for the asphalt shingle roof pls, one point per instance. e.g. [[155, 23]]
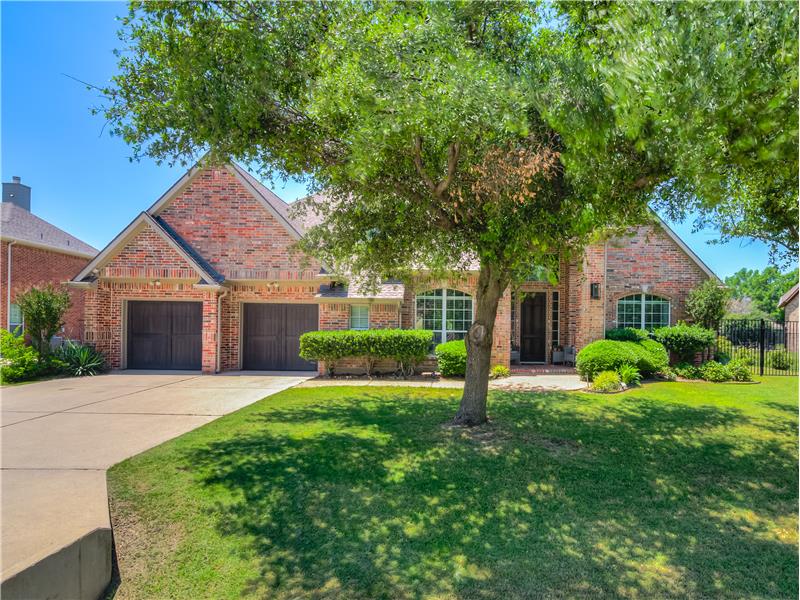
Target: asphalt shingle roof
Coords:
[[20, 225]]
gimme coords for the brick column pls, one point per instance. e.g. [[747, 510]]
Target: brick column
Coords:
[[501, 339], [210, 317]]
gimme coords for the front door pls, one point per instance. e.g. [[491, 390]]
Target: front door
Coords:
[[534, 326]]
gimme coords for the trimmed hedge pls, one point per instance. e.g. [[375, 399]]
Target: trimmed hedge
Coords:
[[406, 346], [685, 340], [452, 358], [627, 334], [608, 355]]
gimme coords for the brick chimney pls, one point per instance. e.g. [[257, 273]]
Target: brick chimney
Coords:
[[17, 193]]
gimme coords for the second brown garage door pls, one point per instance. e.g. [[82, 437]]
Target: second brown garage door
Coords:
[[271, 336]]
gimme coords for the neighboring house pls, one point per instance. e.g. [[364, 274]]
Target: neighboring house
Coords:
[[207, 278], [791, 314], [789, 304], [34, 253]]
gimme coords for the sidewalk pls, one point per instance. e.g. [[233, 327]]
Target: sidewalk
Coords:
[[514, 383]]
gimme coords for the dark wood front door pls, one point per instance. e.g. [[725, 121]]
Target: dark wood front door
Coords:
[[165, 335], [534, 327], [271, 336]]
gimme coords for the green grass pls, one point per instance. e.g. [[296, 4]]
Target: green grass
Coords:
[[670, 490]]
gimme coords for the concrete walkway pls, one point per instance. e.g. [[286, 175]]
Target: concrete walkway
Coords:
[[58, 439], [518, 383]]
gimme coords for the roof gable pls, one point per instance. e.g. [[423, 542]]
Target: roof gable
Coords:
[[788, 296], [266, 197], [683, 246], [145, 222]]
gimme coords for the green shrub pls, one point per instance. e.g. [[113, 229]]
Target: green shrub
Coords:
[[18, 361], [739, 371], [78, 360], [43, 311], [629, 375], [627, 334], [686, 370], [407, 347], [779, 359], [685, 340], [706, 304], [656, 357], [608, 355], [714, 371], [667, 374], [452, 358], [745, 356], [607, 381], [500, 371]]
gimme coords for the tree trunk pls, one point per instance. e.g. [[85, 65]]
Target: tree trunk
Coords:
[[479, 348]]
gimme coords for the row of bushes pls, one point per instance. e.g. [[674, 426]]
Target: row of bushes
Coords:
[[21, 362], [735, 370], [407, 347], [648, 356]]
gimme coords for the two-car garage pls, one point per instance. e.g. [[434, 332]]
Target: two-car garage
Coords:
[[168, 335]]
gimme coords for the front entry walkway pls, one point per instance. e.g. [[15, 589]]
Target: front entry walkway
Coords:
[[58, 439]]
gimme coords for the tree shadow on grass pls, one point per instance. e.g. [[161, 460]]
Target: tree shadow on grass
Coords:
[[369, 496]]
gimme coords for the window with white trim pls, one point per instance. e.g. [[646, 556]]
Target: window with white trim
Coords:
[[359, 316], [448, 313], [643, 311], [15, 318], [556, 334]]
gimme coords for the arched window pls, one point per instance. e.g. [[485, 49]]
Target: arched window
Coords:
[[448, 313], [642, 311]]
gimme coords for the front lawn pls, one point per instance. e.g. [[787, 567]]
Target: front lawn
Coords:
[[670, 490]]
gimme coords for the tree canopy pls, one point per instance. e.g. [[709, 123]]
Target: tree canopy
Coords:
[[709, 91], [763, 287]]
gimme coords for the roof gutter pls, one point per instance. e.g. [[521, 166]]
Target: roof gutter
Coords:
[[12, 240]]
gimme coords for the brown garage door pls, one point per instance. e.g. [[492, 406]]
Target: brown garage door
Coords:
[[271, 336], [165, 335]]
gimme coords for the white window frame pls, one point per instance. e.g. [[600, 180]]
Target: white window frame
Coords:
[[360, 327], [642, 308], [12, 325], [430, 295]]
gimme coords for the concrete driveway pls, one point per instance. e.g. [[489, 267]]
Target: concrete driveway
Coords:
[[58, 439]]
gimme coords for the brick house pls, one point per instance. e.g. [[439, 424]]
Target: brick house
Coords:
[[207, 278], [34, 253]]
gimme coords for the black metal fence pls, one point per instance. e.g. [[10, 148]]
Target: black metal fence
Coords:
[[768, 348]]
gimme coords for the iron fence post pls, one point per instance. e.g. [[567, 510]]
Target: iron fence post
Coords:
[[761, 344]]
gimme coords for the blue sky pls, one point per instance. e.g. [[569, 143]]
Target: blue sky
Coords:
[[82, 179]]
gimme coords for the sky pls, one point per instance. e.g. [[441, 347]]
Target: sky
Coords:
[[82, 178]]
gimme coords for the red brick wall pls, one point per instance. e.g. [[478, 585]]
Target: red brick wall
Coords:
[[650, 258], [35, 267], [149, 256], [222, 220]]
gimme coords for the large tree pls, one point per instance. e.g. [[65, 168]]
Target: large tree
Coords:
[[444, 134]]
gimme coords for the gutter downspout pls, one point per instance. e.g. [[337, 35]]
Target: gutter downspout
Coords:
[[219, 329], [605, 286], [8, 286]]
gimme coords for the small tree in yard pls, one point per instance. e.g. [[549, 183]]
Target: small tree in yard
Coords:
[[707, 304], [43, 311], [444, 134]]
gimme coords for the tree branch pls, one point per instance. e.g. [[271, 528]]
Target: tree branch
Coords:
[[437, 189]]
